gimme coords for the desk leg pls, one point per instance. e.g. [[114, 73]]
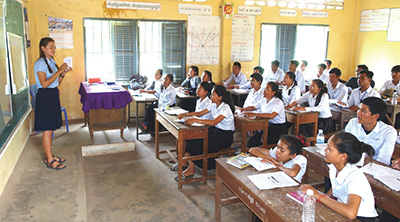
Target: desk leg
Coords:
[[297, 126], [265, 134], [180, 159], [218, 184], [243, 143], [137, 120], [157, 135], [205, 153]]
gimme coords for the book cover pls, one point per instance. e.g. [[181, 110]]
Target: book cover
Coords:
[[238, 161], [297, 195]]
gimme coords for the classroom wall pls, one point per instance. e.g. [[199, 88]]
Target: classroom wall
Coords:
[[373, 49], [340, 45]]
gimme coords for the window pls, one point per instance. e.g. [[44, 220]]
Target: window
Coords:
[[287, 42], [117, 49]]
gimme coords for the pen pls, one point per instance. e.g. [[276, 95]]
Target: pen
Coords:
[[185, 114], [274, 179]]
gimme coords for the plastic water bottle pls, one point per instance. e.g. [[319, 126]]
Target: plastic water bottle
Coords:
[[161, 104], [309, 207], [320, 136], [394, 98]]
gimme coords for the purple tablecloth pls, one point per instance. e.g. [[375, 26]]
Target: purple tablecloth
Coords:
[[99, 96]]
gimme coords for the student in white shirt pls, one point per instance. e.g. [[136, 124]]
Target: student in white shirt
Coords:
[[336, 89], [318, 100], [239, 78], [256, 93], [271, 106], [363, 92], [276, 74], [369, 128], [352, 83], [321, 73], [394, 83], [290, 92], [155, 87], [328, 64], [220, 134], [304, 70], [257, 69], [167, 97], [349, 184], [207, 77], [192, 80], [286, 156], [299, 75]]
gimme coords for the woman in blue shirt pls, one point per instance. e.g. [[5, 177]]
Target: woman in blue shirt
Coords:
[[48, 77]]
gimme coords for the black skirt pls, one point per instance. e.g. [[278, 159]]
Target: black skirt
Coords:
[[47, 110], [326, 124], [275, 131]]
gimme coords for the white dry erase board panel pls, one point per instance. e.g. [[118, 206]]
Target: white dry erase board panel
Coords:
[[17, 61], [393, 33], [374, 20], [203, 35], [242, 42]]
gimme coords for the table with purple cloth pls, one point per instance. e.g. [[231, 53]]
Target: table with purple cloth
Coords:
[[104, 106]]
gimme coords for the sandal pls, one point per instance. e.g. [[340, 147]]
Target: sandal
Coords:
[[184, 177], [175, 167], [58, 166], [57, 158]]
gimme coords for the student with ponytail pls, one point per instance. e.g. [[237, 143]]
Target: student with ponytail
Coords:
[[318, 99], [48, 77], [291, 91], [220, 134], [349, 185]]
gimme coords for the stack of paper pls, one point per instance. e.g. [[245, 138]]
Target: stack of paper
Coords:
[[272, 180], [256, 163], [175, 111], [388, 176]]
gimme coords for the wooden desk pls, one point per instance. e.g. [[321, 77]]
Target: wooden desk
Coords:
[[268, 205], [246, 125], [342, 116], [182, 132], [144, 98], [240, 96], [393, 110], [298, 118], [385, 198], [187, 102]]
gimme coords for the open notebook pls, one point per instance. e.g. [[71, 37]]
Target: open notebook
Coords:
[[268, 181]]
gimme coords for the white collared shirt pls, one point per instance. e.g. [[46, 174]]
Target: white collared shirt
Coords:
[[273, 77], [240, 79], [324, 78], [253, 97], [351, 180], [202, 105], [356, 96], [295, 94], [339, 93], [157, 86], [300, 81], [275, 105], [382, 138], [323, 106], [168, 95], [228, 122], [390, 85], [299, 160]]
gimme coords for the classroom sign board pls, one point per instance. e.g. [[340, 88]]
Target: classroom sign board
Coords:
[[374, 20], [242, 42], [393, 33], [203, 34]]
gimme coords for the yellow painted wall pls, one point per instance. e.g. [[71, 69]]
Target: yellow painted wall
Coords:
[[340, 46], [373, 49]]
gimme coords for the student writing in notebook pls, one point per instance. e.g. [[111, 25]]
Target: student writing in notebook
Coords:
[[349, 184], [286, 156]]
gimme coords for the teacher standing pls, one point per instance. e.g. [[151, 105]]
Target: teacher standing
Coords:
[[48, 77]]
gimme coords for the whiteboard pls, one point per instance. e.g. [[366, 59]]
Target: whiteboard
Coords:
[[203, 40], [242, 42], [393, 33], [374, 20]]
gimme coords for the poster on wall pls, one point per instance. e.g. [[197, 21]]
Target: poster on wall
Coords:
[[393, 33], [203, 35], [228, 10], [242, 42], [61, 31], [374, 20]]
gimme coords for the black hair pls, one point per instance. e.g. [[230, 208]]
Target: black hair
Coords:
[[195, 69], [349, 144], [161, 71], [275, 88], [207, 87], [170, 77], [294, 62], [44, 42], [275, 62], [336, 71], [368, 74], [226, 96], [260, 69], [209, 74], [396, 68], [322, 65], [292, 76], [375, 106], [257, 76], [295, 145], [363, 67], [305, 62], [237, 64], [323, 88], [328, 61]]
